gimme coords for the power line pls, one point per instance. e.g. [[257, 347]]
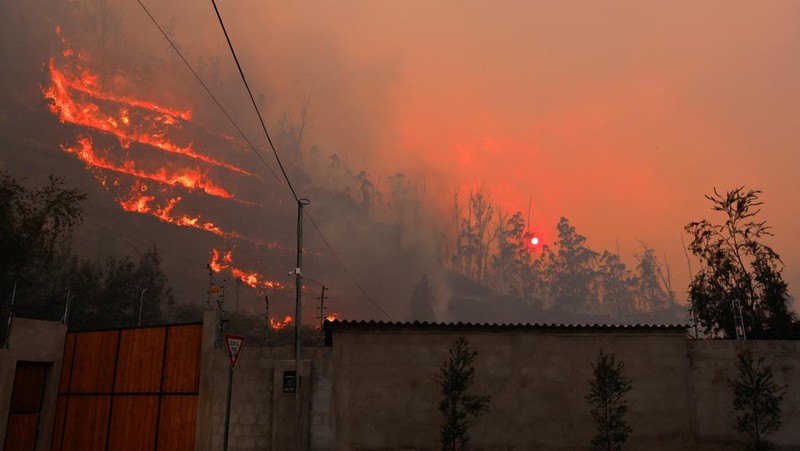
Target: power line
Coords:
[[255, 150], [344, 268], [208, 91], [288, 182], [253, 100]]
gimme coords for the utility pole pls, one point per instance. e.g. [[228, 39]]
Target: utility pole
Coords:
[[322, 314], [267, 326], [297, 321]]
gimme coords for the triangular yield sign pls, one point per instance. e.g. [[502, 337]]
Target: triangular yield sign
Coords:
[[234, 343]]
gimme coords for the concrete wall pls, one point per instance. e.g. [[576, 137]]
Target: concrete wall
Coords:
[[33, 341], [374, 389], [386, 396], [713, 363], [263, 417]]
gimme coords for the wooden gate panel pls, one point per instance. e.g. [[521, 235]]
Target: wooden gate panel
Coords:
[[27, 394], [87, 423], [66, 365], [182, 372], [133, 424], [58, 427], [28, 389], [141, 354], [176, 429], [93, 367], [129, 389], [21, 432]]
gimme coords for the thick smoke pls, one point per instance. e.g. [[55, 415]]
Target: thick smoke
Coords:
[[379, 111]]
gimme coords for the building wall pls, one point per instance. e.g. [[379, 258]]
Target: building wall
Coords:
[[33, 341], [714, 362], [263, 417], [386, 396], [376, 390]]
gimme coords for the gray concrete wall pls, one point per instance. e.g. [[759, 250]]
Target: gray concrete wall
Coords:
[[33, 341], [386, 396], [262, 415], [713, 363], [375, 390]]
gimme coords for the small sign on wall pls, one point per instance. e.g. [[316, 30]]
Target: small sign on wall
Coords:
[[289, 382]]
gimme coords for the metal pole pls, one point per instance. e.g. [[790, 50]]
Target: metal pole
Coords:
[[141, 303], [210, 284], [297, 318], [228, 409], [238, 285], [322, 314], [65, 318], [267, 326], [10, 315]]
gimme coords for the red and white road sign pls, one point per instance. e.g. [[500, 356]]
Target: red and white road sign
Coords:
[[234, 343]]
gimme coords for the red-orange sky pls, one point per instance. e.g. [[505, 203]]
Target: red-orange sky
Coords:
[[618, 115]]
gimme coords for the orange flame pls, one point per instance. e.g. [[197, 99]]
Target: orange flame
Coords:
[[332, 317], [215, 264], [65, 93], [278, 325], [78, 96], [188, 178], [252, 279]]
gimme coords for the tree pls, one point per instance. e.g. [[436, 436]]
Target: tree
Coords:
[[513, 261], [457, 404], [758, 399], [653, 286], [422, 301], [617, 286], [607, 388], [35, 233], [737, 265], [110, 295], [571, 270]]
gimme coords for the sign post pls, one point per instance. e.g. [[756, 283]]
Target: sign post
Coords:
[[234, 344]]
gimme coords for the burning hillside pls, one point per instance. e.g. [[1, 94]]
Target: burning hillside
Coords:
[[145, 156]]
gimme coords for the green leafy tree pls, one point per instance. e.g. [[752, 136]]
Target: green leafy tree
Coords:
[[606, 396], [457, 404], [737, 265], [757, 398]]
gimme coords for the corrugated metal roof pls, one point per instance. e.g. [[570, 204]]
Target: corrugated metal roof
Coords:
[[418, 325]]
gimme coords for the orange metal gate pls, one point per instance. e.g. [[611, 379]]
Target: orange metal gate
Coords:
[[129, 389]]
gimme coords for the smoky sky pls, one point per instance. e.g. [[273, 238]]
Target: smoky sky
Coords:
[[619, 115]]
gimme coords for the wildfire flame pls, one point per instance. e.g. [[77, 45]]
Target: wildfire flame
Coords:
[[154, 167], [188, 178], [278, 325], [332, 317], [76, 100], [252, 279]]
